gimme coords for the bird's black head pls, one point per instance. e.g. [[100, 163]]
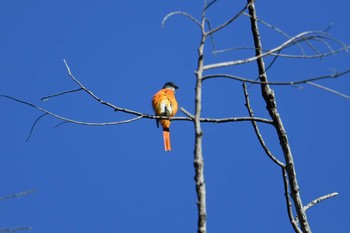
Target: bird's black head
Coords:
[[170, 84]]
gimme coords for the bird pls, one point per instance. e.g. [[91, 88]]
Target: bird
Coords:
[[164, 104]]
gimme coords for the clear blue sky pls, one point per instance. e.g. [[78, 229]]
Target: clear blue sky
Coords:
[[118, 178]]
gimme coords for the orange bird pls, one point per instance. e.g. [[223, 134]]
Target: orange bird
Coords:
[[164, 104]]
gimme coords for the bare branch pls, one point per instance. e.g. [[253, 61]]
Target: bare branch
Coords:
[[17, 195], [319, 55], [271, 63], [15, 229], [187, 113], [45, 98], [211, 35], [206, 5], [304, 36], [271, 106], [97, 98], [180, 13], [230, 119], [284, 55], [277, 30], [62, 123], [328, 89], [75, 121], [304, 81], [142, 115], [257, 131], [36, 121], [298, 43], [85, 89], [293, 221], [230, 20], [318, 200], [198, 153]]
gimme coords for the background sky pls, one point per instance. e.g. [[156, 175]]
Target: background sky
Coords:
[[118, 178]]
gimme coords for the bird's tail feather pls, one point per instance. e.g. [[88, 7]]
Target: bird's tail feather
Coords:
[[166, 136]]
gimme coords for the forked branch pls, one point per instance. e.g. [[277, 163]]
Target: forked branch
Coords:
[[257, 131], [271, 106]]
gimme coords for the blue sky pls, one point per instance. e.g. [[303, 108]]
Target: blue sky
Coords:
[[118, 178]]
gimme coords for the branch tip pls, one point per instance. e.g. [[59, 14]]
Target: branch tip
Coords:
[[318, 200], [179, 13]]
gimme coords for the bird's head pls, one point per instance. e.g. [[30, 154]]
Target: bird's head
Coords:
[[170, 85]]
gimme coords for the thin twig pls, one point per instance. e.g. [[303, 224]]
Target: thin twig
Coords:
[[97, 98], [36, 121], [15, 229], [209, 5], [17, 195], [328, 89], [62, 123], [292, 220], [272, 62], [230, 20], [277, 30], [45, 98], [304, 36], [180, 13], [229, 119], [318, 200], [75, 121], [304, 81], [211, 35], [257, 131], [187, 113], [285, 55]]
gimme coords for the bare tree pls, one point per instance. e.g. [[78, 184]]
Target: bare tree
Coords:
[[296, 209], [289, 176]]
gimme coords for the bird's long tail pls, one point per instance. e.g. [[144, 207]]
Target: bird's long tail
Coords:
[[166, 136]]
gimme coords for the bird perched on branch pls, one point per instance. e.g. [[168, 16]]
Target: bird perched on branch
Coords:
[[165, 104]]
